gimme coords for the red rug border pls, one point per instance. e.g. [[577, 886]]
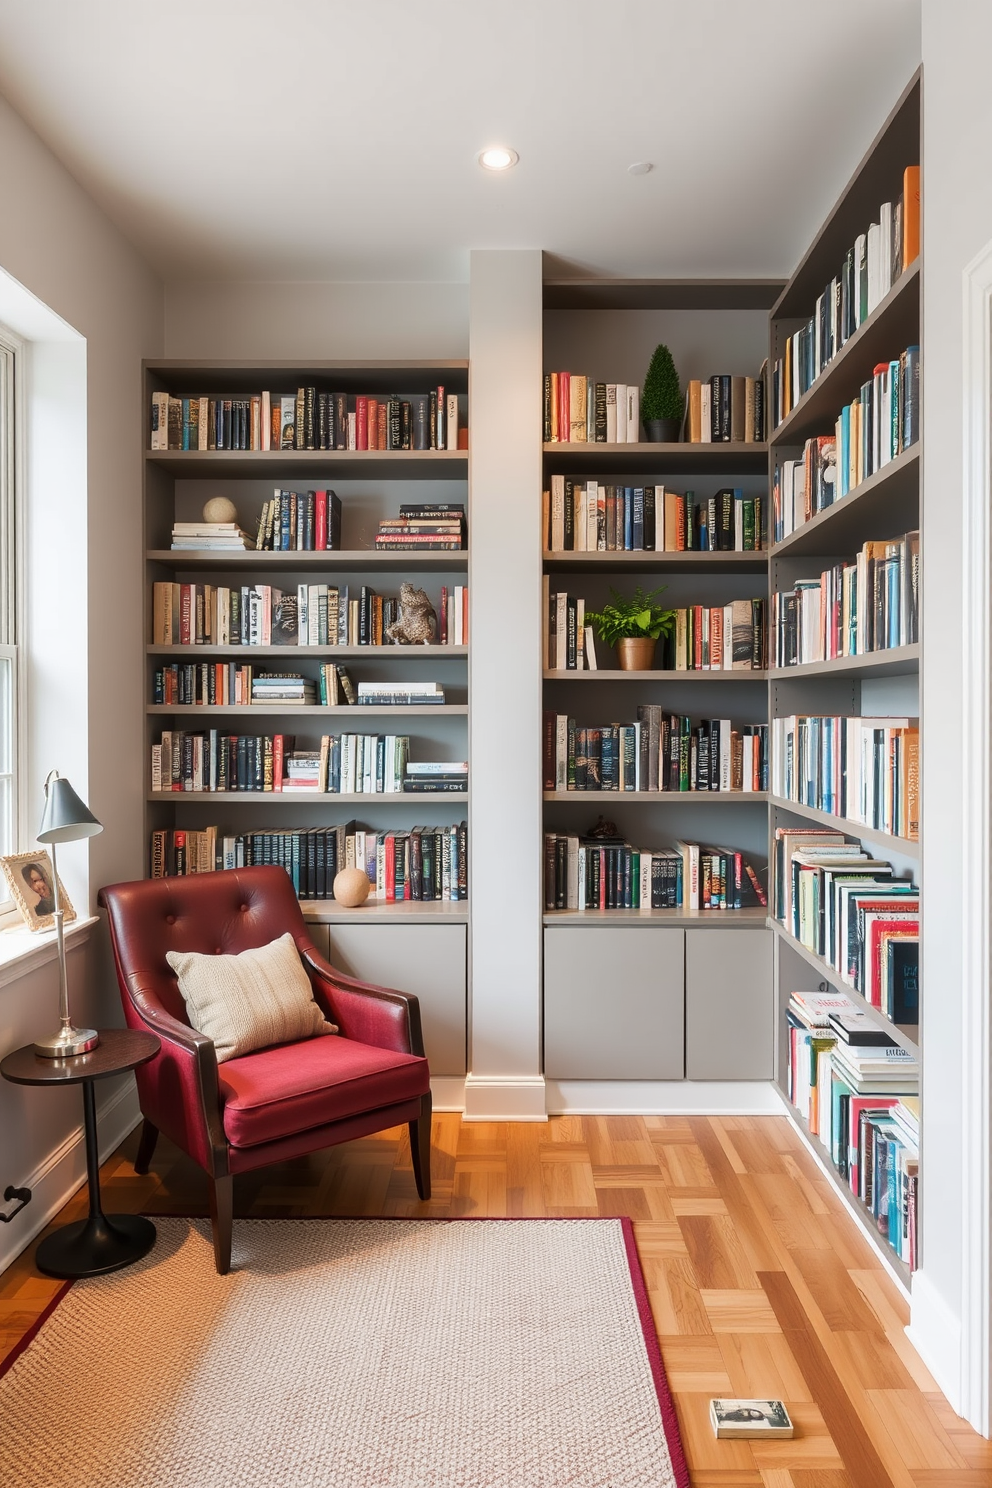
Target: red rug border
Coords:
[[666, 1404]]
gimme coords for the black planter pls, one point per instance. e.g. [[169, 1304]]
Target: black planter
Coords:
[[662, 431]]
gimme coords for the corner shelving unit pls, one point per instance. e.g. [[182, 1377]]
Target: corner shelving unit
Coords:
[[383, 938], [886, 505], [689, 991]]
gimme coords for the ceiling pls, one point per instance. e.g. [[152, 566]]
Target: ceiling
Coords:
[[317, 139]]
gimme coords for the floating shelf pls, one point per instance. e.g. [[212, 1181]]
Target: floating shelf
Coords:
[[887, 504], [719, 458], [644, 561], [342, 560], [893, 325], [661, 798], [245, 654], [332, 464], [620, 676], [308, 710], [295, 798], [387, 912], [906, 846], [894, 662], [906, 1035]]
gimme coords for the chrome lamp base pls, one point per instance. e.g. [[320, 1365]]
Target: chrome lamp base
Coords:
[[67, 1042]]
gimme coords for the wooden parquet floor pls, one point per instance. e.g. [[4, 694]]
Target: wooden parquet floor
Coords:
[[760, 1283]]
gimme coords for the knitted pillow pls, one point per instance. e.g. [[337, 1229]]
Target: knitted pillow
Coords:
[[247, 1002]]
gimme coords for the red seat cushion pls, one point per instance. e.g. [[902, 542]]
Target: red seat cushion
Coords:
[[277, 1092]]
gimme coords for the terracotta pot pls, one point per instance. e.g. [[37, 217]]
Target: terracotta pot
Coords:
[[636, 653]]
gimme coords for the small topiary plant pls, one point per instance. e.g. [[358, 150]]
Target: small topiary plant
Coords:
[[662, 397]]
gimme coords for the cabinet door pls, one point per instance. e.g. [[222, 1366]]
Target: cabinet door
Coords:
[[428, 960], [730, 1021], [613, 1003]]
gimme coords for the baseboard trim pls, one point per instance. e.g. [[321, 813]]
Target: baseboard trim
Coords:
[[63, 1171], [662, 1098], [935, 1333], [448, 1092], [504, 1099]]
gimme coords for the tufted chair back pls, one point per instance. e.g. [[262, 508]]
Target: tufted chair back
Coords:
[[215, 913]]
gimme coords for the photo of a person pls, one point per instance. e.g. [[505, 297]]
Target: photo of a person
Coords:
[[32, 888], [40, 886]]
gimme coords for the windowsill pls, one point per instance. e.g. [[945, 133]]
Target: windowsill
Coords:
[[23, 951]]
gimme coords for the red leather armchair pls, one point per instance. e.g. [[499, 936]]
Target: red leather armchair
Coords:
[[280, 1102]]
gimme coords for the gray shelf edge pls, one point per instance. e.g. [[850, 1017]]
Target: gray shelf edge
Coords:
[[735, 675], [668, 797], [294, 798], [893, 661], [751, 918], [861, 495], [906, 847]]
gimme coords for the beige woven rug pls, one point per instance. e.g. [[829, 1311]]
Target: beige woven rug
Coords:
[[352, 1353]]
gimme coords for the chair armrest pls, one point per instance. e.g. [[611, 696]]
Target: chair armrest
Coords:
[[379, 1016], [180, 1084]]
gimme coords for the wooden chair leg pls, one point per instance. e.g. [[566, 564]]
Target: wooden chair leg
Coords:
[[420, 1147], [222, 1219], [146, 1146]]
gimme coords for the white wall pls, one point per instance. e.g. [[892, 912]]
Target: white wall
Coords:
[[84, 518], [957, 224]]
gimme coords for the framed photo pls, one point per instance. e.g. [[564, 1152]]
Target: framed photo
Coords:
[[31, 883]]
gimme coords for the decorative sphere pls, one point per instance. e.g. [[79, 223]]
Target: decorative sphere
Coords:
[[351, 887], [220, 509]]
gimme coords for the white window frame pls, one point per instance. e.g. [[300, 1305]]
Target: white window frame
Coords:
[[12, 580]]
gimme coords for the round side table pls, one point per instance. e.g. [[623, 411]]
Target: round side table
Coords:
[[102, 1242]]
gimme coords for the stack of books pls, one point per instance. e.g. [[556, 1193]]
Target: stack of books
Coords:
[[302, 772], [435, 777], [405, 694], [423, 528], [288, 689], [220, 537]]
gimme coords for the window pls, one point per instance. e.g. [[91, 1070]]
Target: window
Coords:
[[8, 608]]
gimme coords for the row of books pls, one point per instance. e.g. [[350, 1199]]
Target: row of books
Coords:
[[727, 637], [864, 769], [882, 422], [202, 684], [299, 521], [851, 609], [726, 409], [578, 410], [423, 527], [341, 764], [426, 863], [226, 684], [870, 269], [848, 909], [596, 873], [311, 615], [309, 419], [858, 1092], [586, 517], [660, 752]]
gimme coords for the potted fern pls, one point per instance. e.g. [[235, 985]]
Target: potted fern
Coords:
[[661, 400], [633, 626]]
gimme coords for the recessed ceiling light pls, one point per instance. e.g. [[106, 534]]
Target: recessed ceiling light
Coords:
[[498, 158], [640, 168]]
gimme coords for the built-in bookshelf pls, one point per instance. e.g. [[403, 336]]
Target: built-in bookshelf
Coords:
[[371, 485], [881, 684]]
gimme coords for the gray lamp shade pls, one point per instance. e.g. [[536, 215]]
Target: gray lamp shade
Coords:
[[66, 818]]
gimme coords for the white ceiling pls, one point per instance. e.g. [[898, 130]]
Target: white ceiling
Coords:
[[318, 139]]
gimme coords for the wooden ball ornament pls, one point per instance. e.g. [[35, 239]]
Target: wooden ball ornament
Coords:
[[351, 887], [220, 509]]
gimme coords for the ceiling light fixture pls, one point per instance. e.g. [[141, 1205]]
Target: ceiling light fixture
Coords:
[[498, 158], [640, 168]]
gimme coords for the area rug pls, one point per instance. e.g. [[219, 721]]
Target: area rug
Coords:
[[351, 1354]]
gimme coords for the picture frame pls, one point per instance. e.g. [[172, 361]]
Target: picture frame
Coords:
[[31, 880]]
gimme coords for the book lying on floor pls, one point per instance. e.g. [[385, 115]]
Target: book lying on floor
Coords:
[[749, 1418]]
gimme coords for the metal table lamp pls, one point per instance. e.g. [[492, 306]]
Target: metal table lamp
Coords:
[[66, 819]]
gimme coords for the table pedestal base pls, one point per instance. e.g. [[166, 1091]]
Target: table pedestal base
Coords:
[[94, 1246]]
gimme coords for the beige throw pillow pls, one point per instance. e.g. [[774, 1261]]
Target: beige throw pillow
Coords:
[[247, 1002]]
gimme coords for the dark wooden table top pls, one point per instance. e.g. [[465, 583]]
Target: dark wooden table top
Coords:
[[119, 1049]]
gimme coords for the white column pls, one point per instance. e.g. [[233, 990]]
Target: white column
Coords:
[[505, 391]]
